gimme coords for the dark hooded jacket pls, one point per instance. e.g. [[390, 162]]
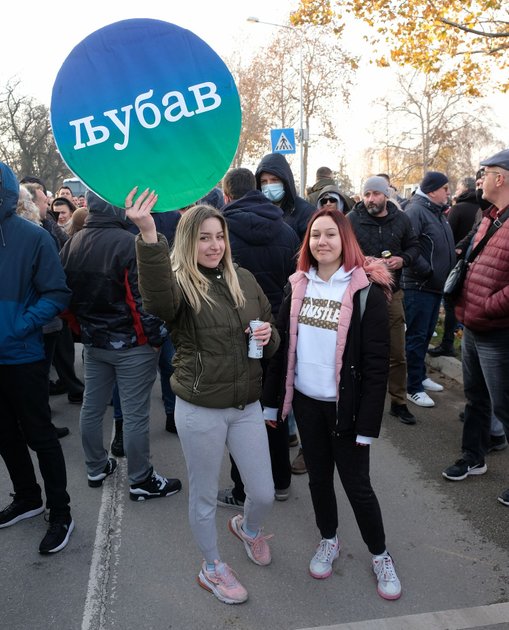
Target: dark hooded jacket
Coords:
[[296, 210], [32, 289], [462, 214], [101, 269], [317, 188], [436, 246], [327, 190], [262, 243]]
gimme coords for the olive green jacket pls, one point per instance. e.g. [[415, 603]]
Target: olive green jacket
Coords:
[[211, 365]]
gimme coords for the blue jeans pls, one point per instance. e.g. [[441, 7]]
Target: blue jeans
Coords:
[[485, 359], [166, 370], [421, 313]]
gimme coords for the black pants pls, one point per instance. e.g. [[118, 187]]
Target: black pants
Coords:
[[322, 452], [63, 359], [25, 422], [279, 458]]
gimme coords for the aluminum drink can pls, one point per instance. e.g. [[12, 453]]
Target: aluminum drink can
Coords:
[[254, 350]]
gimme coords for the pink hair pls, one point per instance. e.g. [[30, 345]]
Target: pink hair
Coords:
[[352, 255]]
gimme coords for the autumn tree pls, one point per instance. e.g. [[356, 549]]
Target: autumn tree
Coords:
[[424, 129], [462, 44], [270, 89], [26, 139]]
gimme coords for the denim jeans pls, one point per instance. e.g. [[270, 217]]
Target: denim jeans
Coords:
[[421, 312], [166, 353], [485, 359], [166, 370], [26, 422], [134, 370]]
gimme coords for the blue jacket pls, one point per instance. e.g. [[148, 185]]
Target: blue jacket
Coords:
[[262, 242], [436, 256], [33, 288]]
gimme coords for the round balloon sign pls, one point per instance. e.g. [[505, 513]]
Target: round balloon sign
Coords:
[[158, 109]]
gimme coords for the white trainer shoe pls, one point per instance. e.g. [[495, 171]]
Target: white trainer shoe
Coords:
[[320, 566], [432, 386], [389, 586], [421, 399]]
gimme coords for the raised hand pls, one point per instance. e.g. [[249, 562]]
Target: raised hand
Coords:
[[138, 210]]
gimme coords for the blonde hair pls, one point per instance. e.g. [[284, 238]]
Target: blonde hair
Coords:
[[184, 259], [26, 208]]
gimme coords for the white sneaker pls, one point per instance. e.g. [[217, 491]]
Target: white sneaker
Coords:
[[421, 399], [320, 566], [431, 386], [389, 586]]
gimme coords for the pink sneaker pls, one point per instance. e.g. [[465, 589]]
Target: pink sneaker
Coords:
[[223, 583], [257, 548]]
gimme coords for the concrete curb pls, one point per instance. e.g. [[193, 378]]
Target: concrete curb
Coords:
[[449, 366]]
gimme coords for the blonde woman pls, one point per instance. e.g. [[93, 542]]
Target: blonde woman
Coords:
[[208, 303]]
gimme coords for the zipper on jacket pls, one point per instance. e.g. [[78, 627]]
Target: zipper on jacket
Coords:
[[198, 368]]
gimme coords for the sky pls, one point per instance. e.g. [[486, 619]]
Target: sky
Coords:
[[36, 40]]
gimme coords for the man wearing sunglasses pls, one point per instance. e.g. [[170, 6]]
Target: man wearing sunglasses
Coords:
[[332, 197]]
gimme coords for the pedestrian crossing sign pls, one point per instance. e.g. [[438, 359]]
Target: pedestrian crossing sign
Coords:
[[282, 140]]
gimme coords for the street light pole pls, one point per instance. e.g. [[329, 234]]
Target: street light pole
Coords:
[[301, 95]]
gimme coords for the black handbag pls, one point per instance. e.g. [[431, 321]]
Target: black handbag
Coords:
[[454, 283]]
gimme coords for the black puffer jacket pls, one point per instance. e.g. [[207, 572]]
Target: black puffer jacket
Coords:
[[100, 265], [394, 234], [462, 215], [262, 243], [296, 210], [436, 246]]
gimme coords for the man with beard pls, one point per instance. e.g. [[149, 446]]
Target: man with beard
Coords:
[[383, 231]]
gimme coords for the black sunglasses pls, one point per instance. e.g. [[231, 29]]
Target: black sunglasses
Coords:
[[325, 200]]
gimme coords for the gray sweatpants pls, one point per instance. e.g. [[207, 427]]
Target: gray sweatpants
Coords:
[[203, 434], [135, 371]]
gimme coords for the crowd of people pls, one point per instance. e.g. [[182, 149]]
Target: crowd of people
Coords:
[[340, 298]]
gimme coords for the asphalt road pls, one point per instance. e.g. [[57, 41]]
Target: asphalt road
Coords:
[[133, 565]]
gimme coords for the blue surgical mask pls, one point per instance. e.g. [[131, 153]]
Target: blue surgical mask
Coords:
[[273, 192]]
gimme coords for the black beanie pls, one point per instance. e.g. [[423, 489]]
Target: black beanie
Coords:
[[433, 180]]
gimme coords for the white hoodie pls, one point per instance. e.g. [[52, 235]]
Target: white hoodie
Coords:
[[315, 370]]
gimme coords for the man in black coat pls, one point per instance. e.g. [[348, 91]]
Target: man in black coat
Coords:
[[383, 231], [275, 179], [262, 242]]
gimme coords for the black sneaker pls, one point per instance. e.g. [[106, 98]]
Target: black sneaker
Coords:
[[75, 399], [57, 536], [117, 445], [170, 423], [440, 351], [226, 499], [18, 510], [463, 468], [497, 443], [504, 497], [96, 481], [56, 388], [154, 487], [401, 412], [61, 432]]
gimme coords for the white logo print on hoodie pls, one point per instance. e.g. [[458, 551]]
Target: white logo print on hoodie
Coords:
[[315, 370]]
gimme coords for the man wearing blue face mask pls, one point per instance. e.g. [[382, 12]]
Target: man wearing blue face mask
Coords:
[[275, 179]]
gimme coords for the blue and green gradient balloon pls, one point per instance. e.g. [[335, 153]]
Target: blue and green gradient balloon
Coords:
[[157, 108]]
